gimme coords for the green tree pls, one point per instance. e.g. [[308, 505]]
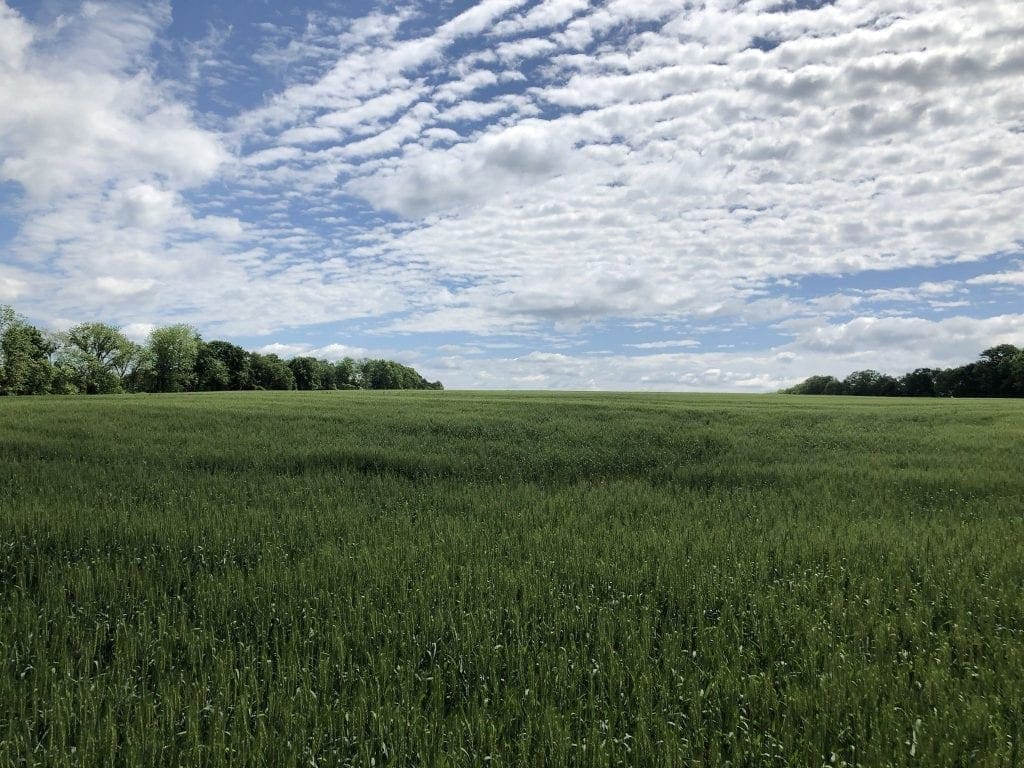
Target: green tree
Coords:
[[817, 385], [271, 372], [1013, 385], [958, 382], [345, 374], [212, 373], [325, 375], [387, 374], [235, 359], [870, 382], [311, 373], [98, 357], [8, 317], [919, 383], [377, 374], [223, 365], [995, 370], [174, 350], [25, 352], [1000, 353]]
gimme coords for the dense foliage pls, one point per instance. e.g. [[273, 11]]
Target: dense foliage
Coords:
[[396, 579], [998, 372], [95, 358]]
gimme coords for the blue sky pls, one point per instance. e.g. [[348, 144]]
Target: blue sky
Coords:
[[721, 195]]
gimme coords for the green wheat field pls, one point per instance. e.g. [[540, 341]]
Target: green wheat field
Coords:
[[496, 579]]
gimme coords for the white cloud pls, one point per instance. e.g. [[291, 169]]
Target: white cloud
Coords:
[[525, 49], [330, 352], [465, 85], [273, 156], [893, 339], [220, 227], [335, 352], [80, 109], [282, 350], [15, 38], [138, 332], [473, 111], [999, 278], [477, 19], [548, 13], [147, 206], [432, 181], [667, 344], [373, 64], [938, 289], [102, 150], [117, 286], [11, 288]]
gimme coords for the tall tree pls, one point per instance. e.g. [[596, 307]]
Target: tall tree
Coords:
[[212, 373], [236, 360], [271, 372], [8, 317], [870, 382], [98, 356], [387, 374], [919, 383], [1014, 382], [958, 382], [345, 374], [996, 370], [817, 385], [174, 350], [310, 373], [25, 352]]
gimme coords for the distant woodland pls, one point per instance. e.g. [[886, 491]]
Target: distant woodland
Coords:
[[96, 358], [998, 372]]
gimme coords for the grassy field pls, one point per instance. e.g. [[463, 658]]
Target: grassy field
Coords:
[[449, 579]]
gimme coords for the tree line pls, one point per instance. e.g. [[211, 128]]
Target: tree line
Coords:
[[96, 358], [998, 372]]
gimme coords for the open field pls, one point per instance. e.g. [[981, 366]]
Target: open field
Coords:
[[358, 578]]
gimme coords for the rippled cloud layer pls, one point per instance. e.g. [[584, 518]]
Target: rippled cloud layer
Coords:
[[528, 193]]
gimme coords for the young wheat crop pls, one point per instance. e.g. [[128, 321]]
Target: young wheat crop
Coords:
[[386, 578]]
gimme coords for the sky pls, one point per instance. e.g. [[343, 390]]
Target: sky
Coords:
[[727, 195]]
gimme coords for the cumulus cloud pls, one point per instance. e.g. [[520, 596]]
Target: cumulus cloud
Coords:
[[81, 110], [138, 332], [910, 338], [111, 162], [429, 181], [102, 151], [1013, 278], [147, 206], [330, 352], [117, 286], [11, 288], [15, 38]]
